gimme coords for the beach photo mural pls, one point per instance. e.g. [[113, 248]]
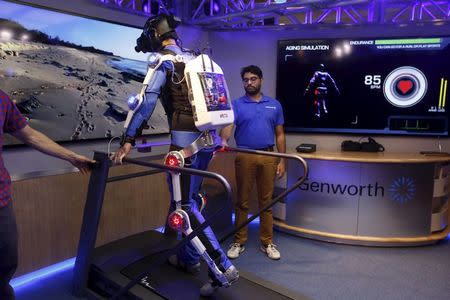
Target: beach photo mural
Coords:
[[71, 76]]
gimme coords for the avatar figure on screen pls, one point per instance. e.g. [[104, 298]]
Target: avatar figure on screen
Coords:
[[321, 84]]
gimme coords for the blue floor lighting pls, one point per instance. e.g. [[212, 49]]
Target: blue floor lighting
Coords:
[[42, 273]]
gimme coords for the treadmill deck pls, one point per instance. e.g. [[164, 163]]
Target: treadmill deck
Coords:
[[117, 263]]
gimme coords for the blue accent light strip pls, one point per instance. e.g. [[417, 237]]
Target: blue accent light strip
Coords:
[[255, 221], [42, 273]]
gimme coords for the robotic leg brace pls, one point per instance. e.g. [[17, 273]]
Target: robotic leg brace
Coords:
[[179, 219]]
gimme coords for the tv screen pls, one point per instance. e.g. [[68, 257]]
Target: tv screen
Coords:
[[365, 86], [71, 76]]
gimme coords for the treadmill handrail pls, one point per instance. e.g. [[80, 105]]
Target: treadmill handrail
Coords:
[[196, 172], [193, 234]]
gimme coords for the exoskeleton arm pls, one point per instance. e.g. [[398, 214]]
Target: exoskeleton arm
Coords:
[[142, 105]]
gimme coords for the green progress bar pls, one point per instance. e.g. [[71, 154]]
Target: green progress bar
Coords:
[[408, 41]]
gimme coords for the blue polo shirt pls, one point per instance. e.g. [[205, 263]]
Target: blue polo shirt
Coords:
[[255, 121]]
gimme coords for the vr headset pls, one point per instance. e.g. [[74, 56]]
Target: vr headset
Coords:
[[157, 29], [370, 146]]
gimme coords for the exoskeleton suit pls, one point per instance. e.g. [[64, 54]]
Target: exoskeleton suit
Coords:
[[195, 97]]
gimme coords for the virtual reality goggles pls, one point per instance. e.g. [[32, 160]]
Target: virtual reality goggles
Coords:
[[157, 29]]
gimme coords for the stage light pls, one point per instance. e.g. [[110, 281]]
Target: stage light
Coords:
[[150, 7], [145, 6], [211, 7], [347, 48]]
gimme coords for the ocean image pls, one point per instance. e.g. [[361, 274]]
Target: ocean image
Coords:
[[136, 67], [71, 77]]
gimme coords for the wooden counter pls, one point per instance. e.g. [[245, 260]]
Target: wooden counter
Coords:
[[376, 157]]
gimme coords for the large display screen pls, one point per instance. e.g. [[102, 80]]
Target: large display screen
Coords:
[[71, 76], [365, 86]]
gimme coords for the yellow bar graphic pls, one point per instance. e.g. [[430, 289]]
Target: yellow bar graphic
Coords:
[[445, 94], [440, 92]]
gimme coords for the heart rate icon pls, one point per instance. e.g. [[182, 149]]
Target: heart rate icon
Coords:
[[405, 86]]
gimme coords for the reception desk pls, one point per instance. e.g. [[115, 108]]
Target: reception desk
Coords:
[[379, 199]]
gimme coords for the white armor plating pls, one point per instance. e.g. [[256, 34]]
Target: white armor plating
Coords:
[[183, 224], [208, 94]]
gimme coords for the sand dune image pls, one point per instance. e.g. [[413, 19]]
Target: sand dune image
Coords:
[[69, 93]]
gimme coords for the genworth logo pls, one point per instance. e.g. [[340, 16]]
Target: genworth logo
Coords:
[[402, 190], [370, 190]]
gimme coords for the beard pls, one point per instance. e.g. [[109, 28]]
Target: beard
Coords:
[[252, 90]]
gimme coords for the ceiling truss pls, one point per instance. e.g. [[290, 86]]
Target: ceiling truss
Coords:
[[141, 7], [288, 14]]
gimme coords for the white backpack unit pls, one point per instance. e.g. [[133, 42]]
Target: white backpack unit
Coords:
[[208, 94]]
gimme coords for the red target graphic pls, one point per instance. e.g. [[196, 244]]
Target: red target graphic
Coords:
[[405, 86]]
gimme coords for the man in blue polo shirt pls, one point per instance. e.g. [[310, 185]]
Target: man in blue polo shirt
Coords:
[[258, 119]]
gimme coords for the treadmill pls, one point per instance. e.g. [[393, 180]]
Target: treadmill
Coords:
[[136, 267]]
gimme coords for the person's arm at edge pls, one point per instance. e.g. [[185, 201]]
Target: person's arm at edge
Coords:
[[44, 144], [227, 131], [280, 140], [225, 134]]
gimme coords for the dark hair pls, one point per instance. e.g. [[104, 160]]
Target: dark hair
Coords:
[[252, 69]]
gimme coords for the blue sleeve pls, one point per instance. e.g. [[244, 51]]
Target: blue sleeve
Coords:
[[148, 105], [280, 117], [235, 110]]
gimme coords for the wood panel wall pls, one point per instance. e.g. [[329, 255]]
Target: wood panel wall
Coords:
[[49, 213]]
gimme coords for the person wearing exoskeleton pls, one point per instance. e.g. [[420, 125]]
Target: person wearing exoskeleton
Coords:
[[193, 139], [320, 85]]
